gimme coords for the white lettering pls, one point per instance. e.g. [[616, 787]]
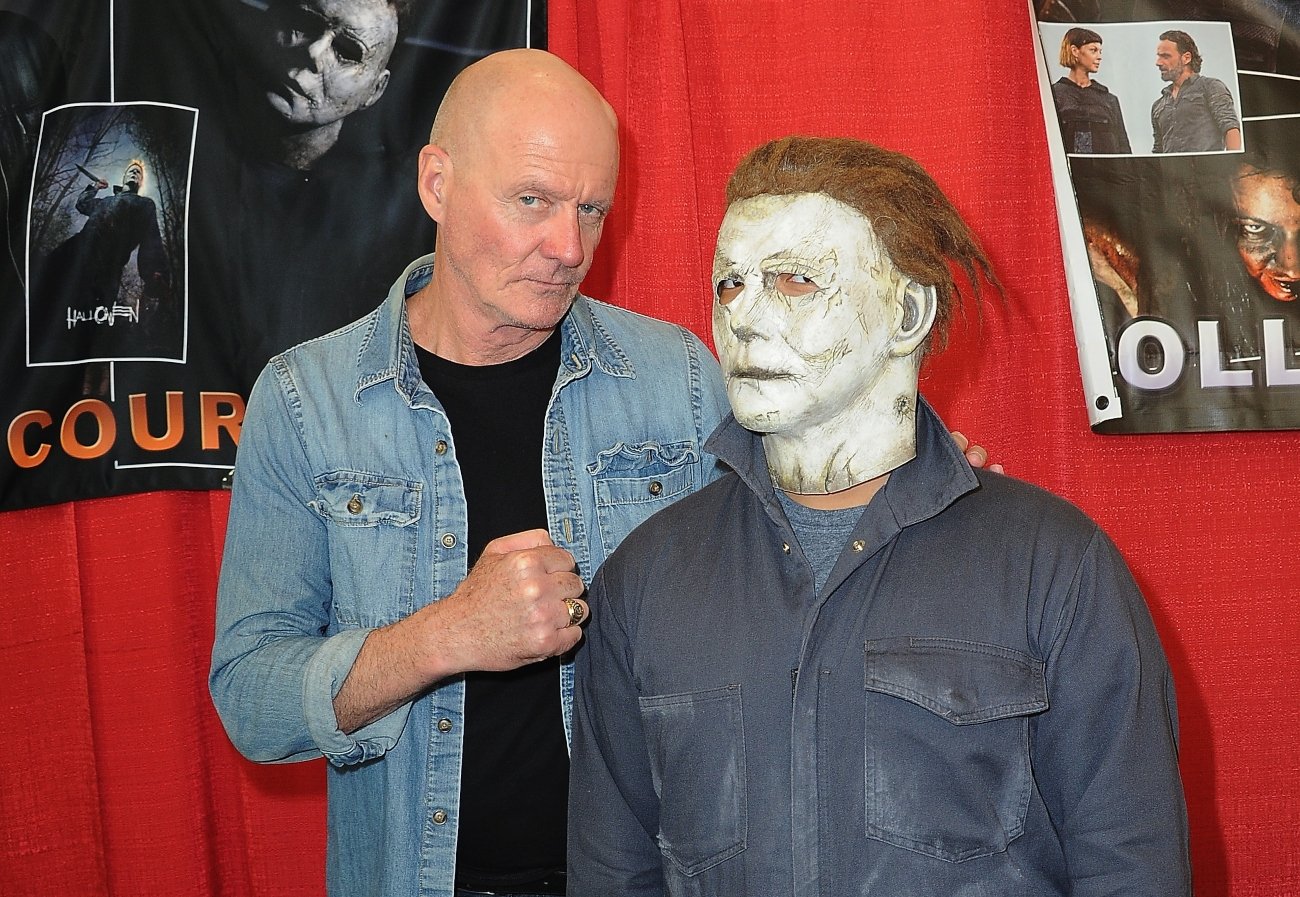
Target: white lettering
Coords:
[[1276, 373], [102, 314], [1212, 373], [1131, 340]]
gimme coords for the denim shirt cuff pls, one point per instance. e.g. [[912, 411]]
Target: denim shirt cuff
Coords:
[[322, 679]]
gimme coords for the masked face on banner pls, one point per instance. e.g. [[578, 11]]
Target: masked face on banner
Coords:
[[1268, 230], [332, 57], [805, 322], [133, 177]]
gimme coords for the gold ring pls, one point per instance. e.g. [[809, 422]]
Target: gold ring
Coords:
[[576, 611]]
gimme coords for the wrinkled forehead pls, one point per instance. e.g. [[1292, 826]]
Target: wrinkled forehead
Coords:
[[795, 226]]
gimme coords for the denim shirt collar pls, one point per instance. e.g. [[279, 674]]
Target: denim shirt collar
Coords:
[[916, 491], [388, 353]]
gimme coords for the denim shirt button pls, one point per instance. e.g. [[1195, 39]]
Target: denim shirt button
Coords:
[[444, 725], [439, 817], [448, 540], [656, 487], [440, 447], [354, 505], [858, 545]]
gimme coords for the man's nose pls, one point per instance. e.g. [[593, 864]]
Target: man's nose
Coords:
[[564, 239], [321, 51]]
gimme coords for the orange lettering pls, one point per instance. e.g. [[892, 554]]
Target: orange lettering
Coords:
[[212, 421], [107, 430], [17, 429], [172, 433]]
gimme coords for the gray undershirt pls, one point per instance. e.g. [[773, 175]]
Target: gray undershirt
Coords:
[[822, 534]]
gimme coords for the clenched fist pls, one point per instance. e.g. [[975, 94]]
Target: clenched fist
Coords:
[[511, 609]]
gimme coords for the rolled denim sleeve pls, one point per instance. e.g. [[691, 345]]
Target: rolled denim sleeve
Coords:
[[1106, 754], [613, 806], [276, 663]]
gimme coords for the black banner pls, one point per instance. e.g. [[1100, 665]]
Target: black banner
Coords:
[[1174, 127], [189, 188]]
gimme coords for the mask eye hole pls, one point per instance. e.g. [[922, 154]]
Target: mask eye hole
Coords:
[[727, 289], [789, 283]]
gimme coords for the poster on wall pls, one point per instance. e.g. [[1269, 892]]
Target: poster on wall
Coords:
[[1173, 129], [189, 188]]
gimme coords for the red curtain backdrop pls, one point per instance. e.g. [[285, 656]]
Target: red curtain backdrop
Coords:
[[117, 779]]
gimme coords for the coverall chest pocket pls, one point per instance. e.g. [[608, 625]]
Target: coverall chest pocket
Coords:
[[371, 523], [696, 743], [947, 744], [631, 482]]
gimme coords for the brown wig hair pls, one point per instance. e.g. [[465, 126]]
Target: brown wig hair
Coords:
[[922, 232]]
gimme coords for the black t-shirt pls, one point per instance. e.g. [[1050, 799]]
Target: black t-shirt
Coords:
[[515, 766]]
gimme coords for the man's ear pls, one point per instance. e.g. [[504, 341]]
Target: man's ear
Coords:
[[434, 174], [917, 306]]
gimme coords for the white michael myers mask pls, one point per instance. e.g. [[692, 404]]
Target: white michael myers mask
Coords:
[[817, 332]]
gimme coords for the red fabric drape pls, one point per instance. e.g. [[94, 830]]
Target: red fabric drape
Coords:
[[117, 779]]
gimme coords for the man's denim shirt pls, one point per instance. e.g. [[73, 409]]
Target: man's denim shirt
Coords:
[[348, 514], [975, 701]]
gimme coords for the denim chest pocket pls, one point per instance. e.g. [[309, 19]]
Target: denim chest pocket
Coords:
[[371, 524], [947, 744], [696, 743], [631, 482]]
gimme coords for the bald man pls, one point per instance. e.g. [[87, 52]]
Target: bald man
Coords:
[[401, 586]]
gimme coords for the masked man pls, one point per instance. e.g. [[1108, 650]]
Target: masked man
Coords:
[[853, 665], [85, 271], [321, 61]]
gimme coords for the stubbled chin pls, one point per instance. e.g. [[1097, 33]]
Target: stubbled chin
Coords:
[[549, 293], [546, 311]]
